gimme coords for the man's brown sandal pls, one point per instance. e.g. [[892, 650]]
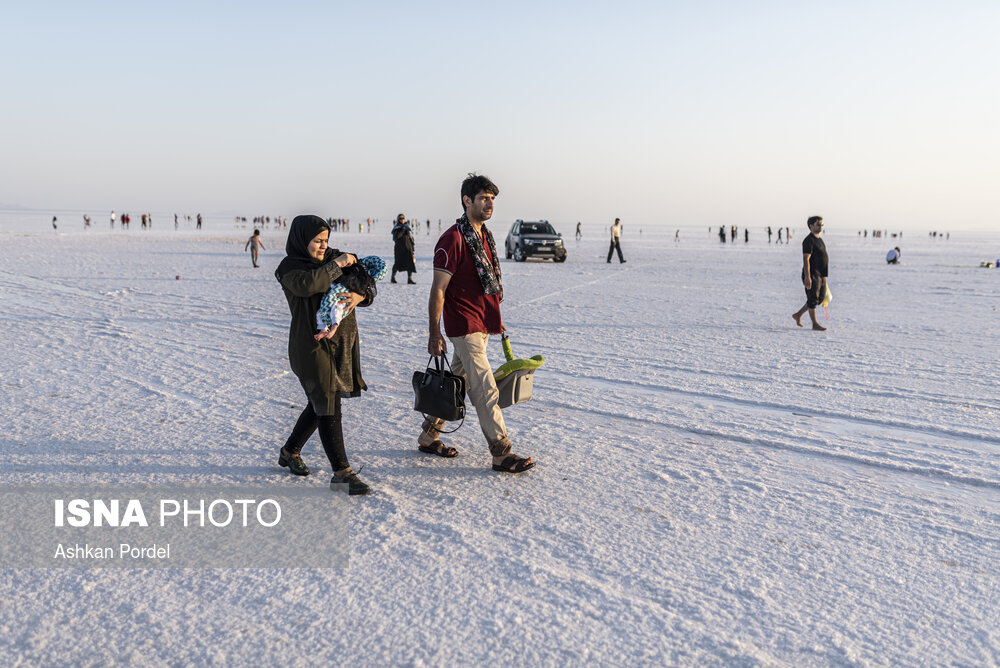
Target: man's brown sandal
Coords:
[[438, 448], [514, 464]]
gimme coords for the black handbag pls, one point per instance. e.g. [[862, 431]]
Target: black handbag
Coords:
[[438, 392]]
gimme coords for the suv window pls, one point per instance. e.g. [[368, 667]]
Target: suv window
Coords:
[[537, 228]]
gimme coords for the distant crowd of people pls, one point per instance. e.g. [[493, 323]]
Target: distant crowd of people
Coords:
[[124, 221], [734, 232], [263, 221], [367, 225], [878, 234]]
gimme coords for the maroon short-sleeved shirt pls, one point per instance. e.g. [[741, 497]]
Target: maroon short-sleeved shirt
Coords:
[[467, 308]]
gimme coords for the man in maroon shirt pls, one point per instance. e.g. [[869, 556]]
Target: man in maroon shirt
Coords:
[[467, 291]]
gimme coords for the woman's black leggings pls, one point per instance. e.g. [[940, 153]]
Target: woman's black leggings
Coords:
[[331, 434]]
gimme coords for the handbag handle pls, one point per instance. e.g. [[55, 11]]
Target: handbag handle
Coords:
[[438, 366]]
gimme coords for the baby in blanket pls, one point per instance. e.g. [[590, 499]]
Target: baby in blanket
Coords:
[[358, 278]]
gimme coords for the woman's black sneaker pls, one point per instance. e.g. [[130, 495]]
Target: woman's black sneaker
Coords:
[[354, 485], [293, 462]]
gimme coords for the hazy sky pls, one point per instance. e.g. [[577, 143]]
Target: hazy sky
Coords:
[[868, 113]]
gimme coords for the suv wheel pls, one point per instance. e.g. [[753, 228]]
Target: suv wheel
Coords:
[[519, 254], [506, 247]]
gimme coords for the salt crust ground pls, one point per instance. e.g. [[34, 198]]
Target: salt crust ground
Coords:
[[714, 485]]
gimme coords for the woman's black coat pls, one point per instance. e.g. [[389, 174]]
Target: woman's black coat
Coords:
[[329, 366]]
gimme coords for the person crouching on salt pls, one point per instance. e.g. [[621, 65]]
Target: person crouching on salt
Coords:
[[358, 278]]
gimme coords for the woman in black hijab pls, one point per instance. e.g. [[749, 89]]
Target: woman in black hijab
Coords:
[[328, 369], [402, 236]]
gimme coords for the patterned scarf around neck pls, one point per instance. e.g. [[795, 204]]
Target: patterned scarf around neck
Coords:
[[487, 264]]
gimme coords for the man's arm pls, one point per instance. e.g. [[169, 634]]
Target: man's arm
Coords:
[[436, 345], [806, 275]]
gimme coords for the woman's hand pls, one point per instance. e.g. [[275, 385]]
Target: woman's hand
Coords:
[[345, 260], [350, 300]]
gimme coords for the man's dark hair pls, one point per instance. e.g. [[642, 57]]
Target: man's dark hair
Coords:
[[814, 219], [475, 184]]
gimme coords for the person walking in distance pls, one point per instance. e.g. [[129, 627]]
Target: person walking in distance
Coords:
[[616, 235], [815, 264], [402, 237], [255, 244], [467, 290]]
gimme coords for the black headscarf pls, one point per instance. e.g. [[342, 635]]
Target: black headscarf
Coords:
[[303, 230]]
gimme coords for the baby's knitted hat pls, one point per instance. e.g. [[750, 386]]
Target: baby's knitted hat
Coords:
[[375, 266]]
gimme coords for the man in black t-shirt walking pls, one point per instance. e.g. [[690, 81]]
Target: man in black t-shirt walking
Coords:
[[814, 272]]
